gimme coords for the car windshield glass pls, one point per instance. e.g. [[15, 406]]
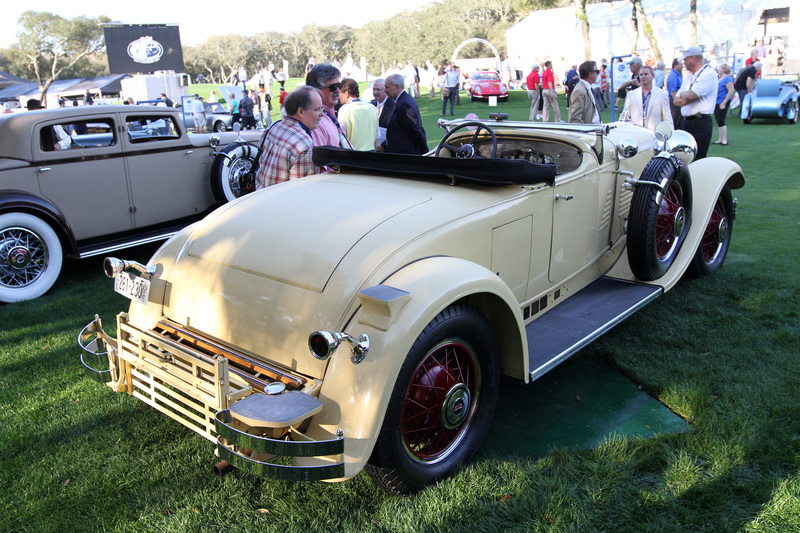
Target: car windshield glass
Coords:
[[215, 108], [151, 128], [92, 133]]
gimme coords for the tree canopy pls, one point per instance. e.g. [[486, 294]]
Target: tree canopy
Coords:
[[50, 45]]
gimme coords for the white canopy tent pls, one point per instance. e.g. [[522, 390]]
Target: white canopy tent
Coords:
[[724, 27]]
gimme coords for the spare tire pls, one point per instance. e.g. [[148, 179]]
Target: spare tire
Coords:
[[230, 177], [660, 217]]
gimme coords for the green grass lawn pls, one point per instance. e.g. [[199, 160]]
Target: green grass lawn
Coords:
[[722, 352]]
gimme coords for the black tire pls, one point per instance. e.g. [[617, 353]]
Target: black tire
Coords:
[[713, 247], [220, 126], [30, 257], [746, 120], [228, 170], [441, 405], [658, 221]]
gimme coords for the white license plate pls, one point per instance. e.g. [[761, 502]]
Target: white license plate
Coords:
[[133, 287]]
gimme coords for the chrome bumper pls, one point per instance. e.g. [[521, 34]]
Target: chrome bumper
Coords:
[[185, 377]]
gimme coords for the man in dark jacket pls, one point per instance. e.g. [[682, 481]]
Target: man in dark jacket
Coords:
[[246, 112], [404, 134]]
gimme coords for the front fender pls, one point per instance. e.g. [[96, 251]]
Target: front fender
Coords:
[[709, 176], [355, 397]]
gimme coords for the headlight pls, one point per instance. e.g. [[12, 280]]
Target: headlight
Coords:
[[682, 145]]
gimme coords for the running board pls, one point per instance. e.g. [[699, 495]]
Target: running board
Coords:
[[560, 333]]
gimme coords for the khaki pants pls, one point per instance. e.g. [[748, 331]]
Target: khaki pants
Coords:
[[551, 98], [533, 96]]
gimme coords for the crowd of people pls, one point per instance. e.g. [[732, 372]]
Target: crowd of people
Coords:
[[328, 110]]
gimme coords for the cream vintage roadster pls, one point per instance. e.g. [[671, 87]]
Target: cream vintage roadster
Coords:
[[362, 318]]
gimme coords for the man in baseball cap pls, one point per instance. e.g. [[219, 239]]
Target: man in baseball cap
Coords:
[[635, 64], [697, 98]]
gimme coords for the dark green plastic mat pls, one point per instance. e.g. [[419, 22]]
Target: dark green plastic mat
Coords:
[[575, 406]]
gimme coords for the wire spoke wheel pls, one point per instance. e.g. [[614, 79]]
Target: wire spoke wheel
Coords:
[[30, 257], [713, 247], [440, 401], [660, 216]]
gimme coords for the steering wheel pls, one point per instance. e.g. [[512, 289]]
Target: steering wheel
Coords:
[[467, 150]]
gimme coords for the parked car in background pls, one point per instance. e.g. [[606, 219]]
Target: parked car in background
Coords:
[[88, 180], [771, 99], [362, 318], [217, 117], [485, 83]]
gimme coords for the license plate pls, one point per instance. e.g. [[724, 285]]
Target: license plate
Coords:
[[133, 287]]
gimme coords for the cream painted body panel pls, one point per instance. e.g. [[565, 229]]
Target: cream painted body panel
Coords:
[[262, 272]]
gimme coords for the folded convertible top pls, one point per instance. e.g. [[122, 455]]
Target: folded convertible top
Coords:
[[481, 170]]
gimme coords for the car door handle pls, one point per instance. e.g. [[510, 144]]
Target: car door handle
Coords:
[[565, 197], [189, 152], [43, 169]]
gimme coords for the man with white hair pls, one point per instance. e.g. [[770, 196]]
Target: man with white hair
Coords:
[[405, 134], [746, 80], [533, 91], [697, 98]]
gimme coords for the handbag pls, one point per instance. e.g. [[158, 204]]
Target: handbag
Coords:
[[445, 92]]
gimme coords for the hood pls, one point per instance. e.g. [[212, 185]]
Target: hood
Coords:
[[296, 235], [264, 271], [260, 273]]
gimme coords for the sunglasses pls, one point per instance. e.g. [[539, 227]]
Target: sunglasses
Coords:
[[333, 87]]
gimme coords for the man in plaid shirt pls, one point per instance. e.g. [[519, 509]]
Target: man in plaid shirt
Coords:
[[286, 153]]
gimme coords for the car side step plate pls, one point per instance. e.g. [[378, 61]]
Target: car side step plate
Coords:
[[582, 318]]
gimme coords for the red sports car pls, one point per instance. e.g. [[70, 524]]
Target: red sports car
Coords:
[[485, 83]]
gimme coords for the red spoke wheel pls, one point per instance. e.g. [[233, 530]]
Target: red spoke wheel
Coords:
[[441, 405], [660, 216], [440, 401], [713, 247]]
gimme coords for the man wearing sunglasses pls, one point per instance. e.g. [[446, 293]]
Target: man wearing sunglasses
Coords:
[[327, 79], [582, 106]]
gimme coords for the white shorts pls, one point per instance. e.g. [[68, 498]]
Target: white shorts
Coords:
[[199, 119]]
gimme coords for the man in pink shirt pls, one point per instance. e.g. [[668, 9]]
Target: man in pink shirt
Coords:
[[549, 94], [327, 79]]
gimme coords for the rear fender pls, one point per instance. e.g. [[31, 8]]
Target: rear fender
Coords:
[[23, 202], [355, 396]]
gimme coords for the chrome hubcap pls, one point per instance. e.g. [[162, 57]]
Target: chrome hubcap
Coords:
[[456, 406], [19, 257], [680, 221], [722, 230]]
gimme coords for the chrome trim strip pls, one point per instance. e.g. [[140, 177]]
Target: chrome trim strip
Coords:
[[127, 244]]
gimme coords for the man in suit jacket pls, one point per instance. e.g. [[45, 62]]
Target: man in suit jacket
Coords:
[[384, 104], [647, 105], [404, 134], [582, 107]]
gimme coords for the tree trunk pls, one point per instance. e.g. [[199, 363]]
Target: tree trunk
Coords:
[[693, 23], [635, 24], [580, 7], [648, 31]]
